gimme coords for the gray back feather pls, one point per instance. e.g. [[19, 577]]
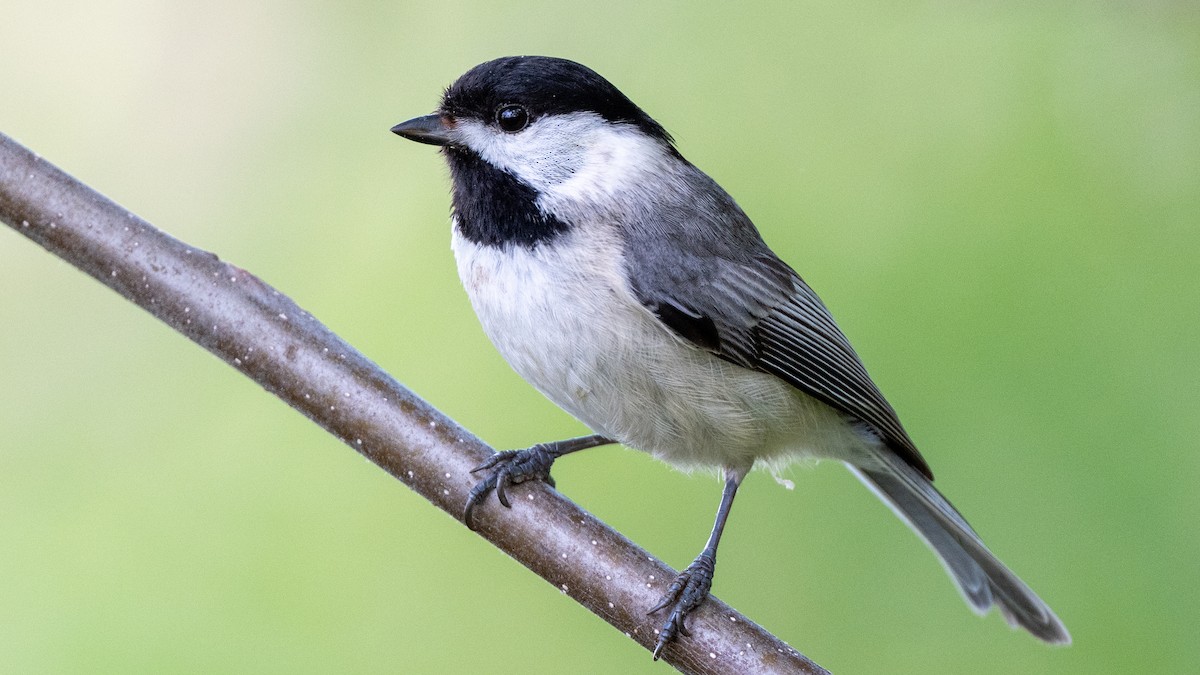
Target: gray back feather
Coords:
[[701, 266]]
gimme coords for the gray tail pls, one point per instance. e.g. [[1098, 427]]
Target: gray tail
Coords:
[[983, 580]]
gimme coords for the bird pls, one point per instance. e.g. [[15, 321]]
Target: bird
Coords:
[[630, 289]]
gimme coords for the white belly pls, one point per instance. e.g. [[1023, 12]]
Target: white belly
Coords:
[[571, 328]]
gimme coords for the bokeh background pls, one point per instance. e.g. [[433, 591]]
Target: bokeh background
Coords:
[[1000, 203]]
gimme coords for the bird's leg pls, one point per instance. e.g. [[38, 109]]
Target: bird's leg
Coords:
[[510, 467], [691, 587]]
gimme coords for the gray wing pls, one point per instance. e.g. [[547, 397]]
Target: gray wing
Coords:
[[717, 285]]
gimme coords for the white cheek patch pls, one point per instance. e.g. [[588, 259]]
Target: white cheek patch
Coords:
[[619, 159], [544, 154], [569, 157]]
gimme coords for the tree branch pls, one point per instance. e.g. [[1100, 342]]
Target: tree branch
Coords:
[[268, 338]]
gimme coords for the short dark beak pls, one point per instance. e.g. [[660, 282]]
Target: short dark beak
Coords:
[[429, 129]]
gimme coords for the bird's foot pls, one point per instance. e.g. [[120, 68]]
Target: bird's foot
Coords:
[[506, 468], [685, 594]]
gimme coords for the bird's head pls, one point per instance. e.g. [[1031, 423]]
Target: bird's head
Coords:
[[554, 126]]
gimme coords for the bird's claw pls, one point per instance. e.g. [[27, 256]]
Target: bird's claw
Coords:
[[684, 594], [508, 467]]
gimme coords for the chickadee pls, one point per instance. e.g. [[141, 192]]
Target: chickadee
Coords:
[[632, 291]]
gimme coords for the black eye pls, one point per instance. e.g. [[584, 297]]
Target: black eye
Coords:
[[512, 118]]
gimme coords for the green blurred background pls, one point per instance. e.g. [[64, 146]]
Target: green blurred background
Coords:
[[1000, 204]]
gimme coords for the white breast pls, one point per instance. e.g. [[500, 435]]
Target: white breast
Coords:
[[568, 324]]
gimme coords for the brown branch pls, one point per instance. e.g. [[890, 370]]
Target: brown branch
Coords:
[[268, 338]]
